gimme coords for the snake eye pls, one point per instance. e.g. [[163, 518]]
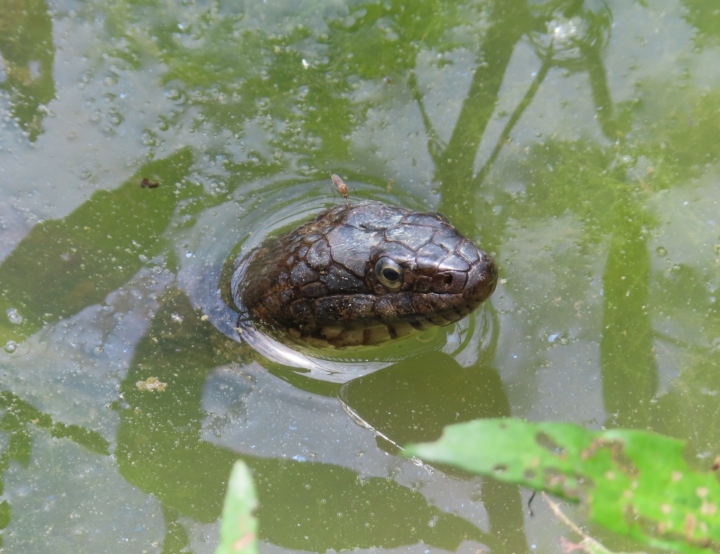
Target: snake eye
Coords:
[[389, 273]]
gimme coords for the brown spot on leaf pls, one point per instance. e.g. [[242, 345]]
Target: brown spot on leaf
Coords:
[[708, 508], [690, 524], [548, 443], [617, 450]]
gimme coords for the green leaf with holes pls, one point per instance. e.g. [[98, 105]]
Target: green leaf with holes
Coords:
[[635, 483], [238, 529]]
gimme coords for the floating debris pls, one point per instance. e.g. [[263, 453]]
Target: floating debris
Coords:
[[151, 384], [148, 184]]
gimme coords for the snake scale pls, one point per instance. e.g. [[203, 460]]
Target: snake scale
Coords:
[[363, 273]]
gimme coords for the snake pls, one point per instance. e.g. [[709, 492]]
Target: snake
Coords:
[[363, 273]]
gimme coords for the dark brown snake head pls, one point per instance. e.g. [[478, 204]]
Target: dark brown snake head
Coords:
[[364, 273]]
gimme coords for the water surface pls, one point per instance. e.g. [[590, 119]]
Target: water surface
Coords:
[[576, 141]]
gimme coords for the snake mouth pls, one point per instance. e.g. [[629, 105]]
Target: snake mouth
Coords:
[[402, 314]]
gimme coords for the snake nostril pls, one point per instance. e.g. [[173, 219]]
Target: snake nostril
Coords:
[[448, 279]]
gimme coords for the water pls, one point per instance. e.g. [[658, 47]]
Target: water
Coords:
[[576, 142]]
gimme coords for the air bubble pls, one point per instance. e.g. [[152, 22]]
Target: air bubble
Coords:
[[14, 317], [10, 346]]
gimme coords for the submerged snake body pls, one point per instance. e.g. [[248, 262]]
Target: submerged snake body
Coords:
[[364, 273]]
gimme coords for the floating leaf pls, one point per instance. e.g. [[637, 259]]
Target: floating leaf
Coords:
[[635, 483]]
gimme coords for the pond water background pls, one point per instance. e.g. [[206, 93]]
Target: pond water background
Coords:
[[576, 141]]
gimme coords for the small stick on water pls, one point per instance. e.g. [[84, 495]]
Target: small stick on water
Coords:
[[340, 185], [530, 510]]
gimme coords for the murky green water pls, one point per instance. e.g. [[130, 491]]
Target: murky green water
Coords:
[[577, 141]]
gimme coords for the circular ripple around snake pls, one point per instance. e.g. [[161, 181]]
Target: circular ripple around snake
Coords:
[[233, 229]]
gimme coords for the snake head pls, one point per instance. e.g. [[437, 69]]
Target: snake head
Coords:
[[364, 273]]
